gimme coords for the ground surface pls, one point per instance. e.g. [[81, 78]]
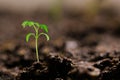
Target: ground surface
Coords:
[[76, 53]]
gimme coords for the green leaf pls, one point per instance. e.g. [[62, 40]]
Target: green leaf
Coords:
[[28, 36], [44, 27], [28, 23], [24, 24], [37, 24], [47, 37]]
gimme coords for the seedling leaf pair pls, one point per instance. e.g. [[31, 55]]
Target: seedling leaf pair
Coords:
[[31, 23]]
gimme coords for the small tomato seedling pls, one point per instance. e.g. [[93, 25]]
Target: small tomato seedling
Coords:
[[36, 26]]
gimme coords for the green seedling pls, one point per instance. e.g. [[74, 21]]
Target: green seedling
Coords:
[[36, 26], [56, 11]]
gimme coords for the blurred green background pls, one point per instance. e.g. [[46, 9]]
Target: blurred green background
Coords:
[[61, 16]]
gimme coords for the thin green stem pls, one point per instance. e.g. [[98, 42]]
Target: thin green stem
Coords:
[[36, 43], [35, 28]]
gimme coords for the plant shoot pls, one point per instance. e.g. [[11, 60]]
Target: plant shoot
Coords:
[[36, 26]]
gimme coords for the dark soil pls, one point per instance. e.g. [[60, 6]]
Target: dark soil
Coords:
[[90, 54]]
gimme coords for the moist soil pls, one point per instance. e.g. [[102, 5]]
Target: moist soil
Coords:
[[92, 54]]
